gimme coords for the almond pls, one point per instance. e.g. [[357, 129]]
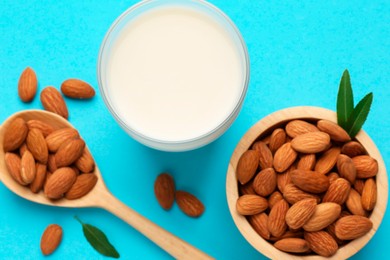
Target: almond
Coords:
[[15, 134], [321, 242], [352, 227], [324, 215], [336, 132], [293, 194], [328, 160], [28, 85], [76, 170], [51, 163], [27, 168], [333, 176], [53, 101], [265, 182], [51, 239], [85, 163], [331, 229], [284, 178], [40, 177], [82, 186], [259, 222], [164, 190], [292, 245], [313, 142], [346, 168], [75, 88], [278, 138], [23, 149], [310, 181], [354, 203], [251, 204], [69, 152], [12, 161], [59, 183], [338, 191], [46, 129], [353, 149], [274, 198], [307, 162], [247, 188], [288, 234], [276, 219], [359, 186], [36, 144], [284, 157], [369, 194], [300, 213], [299, 127], [58, 137], [366, 166], [247, 166], [265, 154], [189, 204]]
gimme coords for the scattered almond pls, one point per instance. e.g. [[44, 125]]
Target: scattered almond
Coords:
[[53, 101], [51, 239], [164, 190], [75, 88], [28, 85], [189, 204]]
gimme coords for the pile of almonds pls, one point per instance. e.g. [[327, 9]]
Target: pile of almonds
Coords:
[[307, 187], [42, 157]]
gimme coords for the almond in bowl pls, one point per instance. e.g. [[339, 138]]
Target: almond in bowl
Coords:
[[318, 189]]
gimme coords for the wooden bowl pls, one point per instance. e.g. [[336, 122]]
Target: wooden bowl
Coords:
[[265, 125]]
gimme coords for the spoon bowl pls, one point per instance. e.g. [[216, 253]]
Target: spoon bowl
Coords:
[[98, 197]]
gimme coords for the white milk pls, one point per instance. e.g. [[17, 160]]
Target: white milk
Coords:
[[174, 74]]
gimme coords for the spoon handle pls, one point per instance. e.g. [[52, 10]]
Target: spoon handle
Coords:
[[173, 245]]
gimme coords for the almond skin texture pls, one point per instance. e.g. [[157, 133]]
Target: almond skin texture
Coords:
[[324, 215], [12, 162], [46, 129], [333, 176], [247, 188], [328, 160], [284, 178], [288, 234], [58, 137], [352, 227], [15, 134], [164, 190], [322, 243], [75, 88], [59, 182], [292, 245], [247, 166], [53, 101], [313, 142], [82, 186], [36, 144], [336, 132], [69, 152], [85, 163], [366, 166], [338, 191], [51, 163], [293, 194], [354, 203], [310, 181], [28, 85], [276, 219], [189, 204], [284, 157], [353, 149], [40, 177], [299, 127], [265, 182], [23, 149], [300, 213], [369, 194], [265, 154], [274, 198], [346, 168], [27, 168], [359, 186], [51, 239], [278, 138], [307, 162], [259, 222], [251, 205]]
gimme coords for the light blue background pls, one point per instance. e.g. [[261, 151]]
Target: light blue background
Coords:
[[298, 51]]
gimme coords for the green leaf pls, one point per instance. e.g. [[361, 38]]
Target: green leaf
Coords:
[[344, 100], [359, 115], [98, 240]]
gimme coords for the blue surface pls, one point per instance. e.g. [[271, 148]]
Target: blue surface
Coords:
[[298, 51]]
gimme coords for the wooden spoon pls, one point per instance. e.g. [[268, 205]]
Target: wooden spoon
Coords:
[[99, 197]]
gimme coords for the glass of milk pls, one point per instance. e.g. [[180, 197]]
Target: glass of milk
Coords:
[[173, 73]]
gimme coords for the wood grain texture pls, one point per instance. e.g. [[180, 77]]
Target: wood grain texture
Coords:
[[99, 197], [272, 121]]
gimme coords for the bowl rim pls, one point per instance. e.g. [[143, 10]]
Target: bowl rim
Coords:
[[301, 112]]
